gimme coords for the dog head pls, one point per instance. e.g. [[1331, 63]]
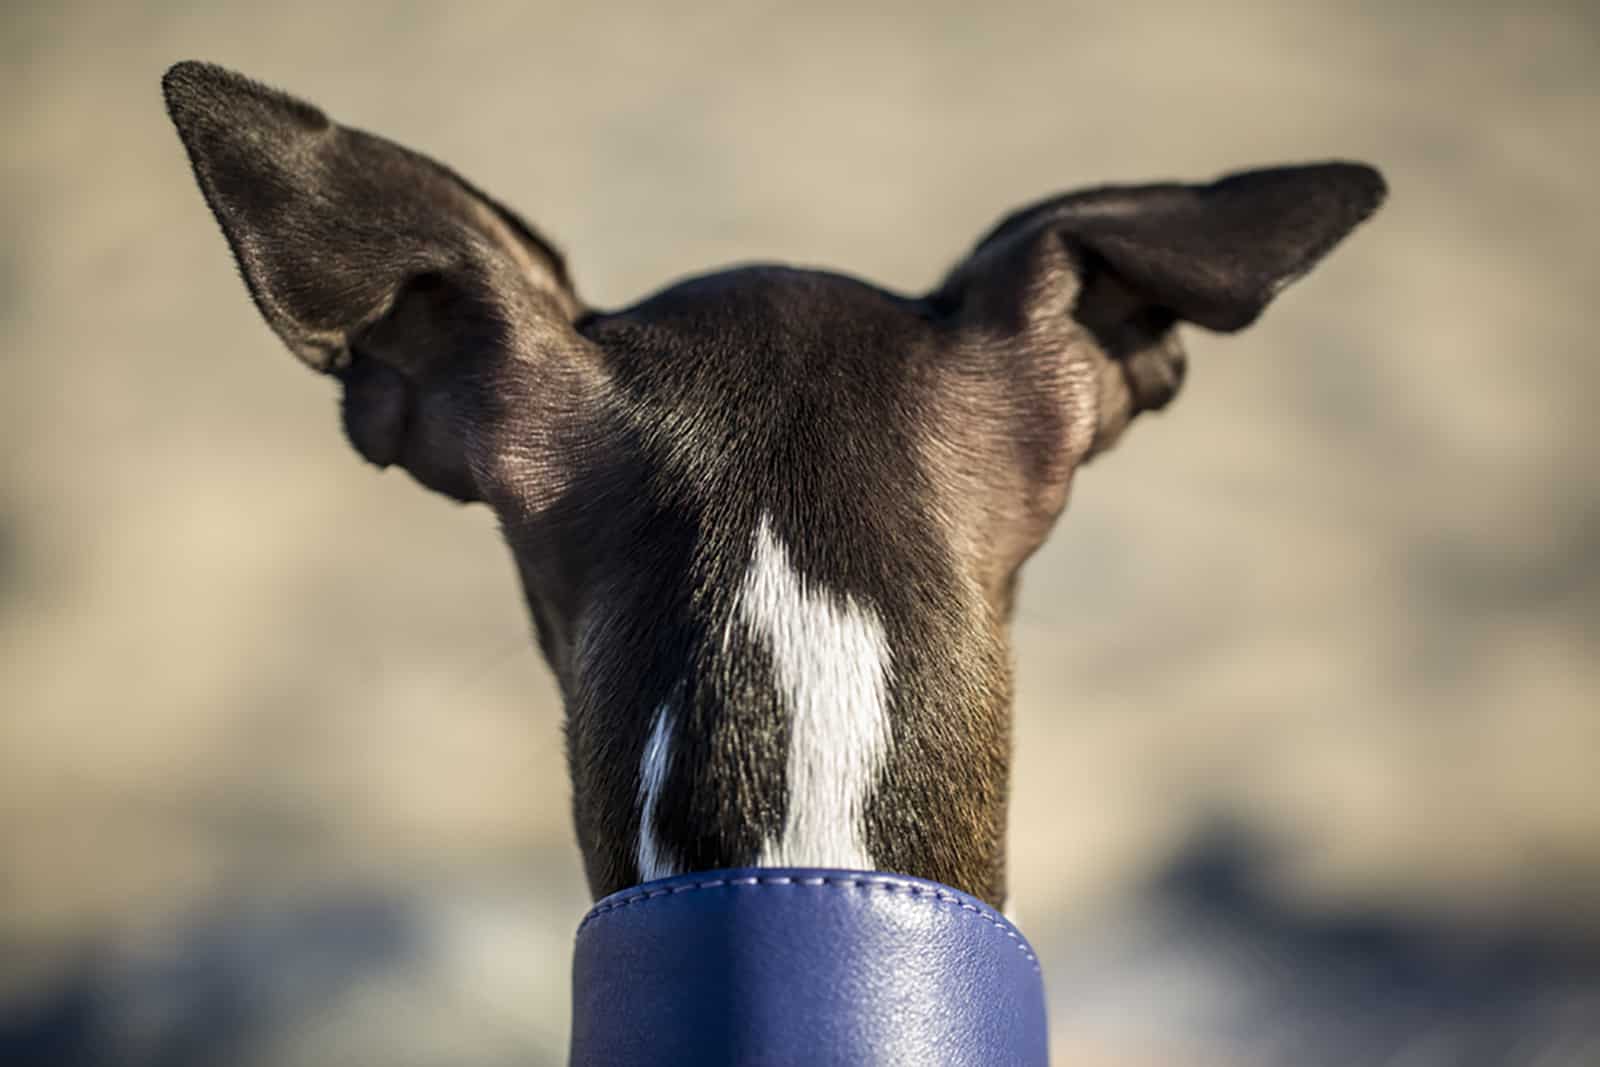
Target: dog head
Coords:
[[768, 521]]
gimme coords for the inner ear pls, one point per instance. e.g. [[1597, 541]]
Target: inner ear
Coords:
[[1139, 337], [1119, 316], [400, 372], [376, 405]]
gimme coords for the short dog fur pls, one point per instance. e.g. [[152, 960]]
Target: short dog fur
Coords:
[[768, 521]]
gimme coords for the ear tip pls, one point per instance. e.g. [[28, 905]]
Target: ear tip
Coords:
[[184, 72], [191, 85], [1359, 187], [199, 94], [188, 72], [1363, 182]]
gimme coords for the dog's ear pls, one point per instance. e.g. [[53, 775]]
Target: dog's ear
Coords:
[[1128, 262], [1215, 254], [373, 263]]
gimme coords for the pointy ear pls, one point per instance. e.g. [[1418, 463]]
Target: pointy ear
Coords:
[[1214, 255], [370, 261], [1123, 264]]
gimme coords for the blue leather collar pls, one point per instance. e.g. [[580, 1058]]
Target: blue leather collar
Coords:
[[780, 966]]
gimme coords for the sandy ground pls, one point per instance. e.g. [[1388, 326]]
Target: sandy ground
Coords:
[[1342, 598]]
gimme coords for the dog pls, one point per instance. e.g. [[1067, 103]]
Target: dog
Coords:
[[768, 521]]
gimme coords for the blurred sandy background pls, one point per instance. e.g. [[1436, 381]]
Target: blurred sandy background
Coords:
[[1309, 728]]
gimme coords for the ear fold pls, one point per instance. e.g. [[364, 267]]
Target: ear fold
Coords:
[[373, 263], [1215, 254]]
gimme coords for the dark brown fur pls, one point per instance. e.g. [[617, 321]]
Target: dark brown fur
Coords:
[[910, 451]]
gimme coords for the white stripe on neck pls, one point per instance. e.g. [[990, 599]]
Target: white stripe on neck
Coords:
[[655, 860], [831, 663]]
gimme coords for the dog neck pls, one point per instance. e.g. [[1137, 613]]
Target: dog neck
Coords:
[[792, 717], [830, 664]]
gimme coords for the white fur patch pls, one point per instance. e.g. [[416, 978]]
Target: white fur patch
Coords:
[[653, 856], [831, 662]]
